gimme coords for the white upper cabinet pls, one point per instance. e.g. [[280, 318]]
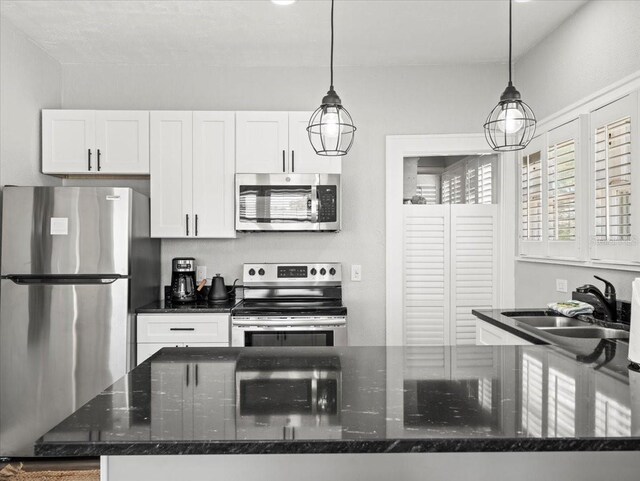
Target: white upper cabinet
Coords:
[[171, 174], [213, 174], [192, 174], [615, 133], [95, 142], [68, 141], [277, 142], [122, 142], [262, 140]]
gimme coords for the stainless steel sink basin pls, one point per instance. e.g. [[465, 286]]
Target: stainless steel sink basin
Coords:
[[589, 332], [550, 321]]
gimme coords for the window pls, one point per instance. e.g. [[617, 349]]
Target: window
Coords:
[[479, 180], [561, 191], [531, 192], [613, 181], [614, 237], [452, 187]]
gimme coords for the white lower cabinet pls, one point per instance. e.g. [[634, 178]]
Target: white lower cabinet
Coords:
[[155, 331], [490, 335]]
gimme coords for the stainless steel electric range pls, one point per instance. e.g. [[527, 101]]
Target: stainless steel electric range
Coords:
[[290, 305]]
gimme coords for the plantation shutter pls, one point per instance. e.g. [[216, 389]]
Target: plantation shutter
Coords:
[[614, 129]]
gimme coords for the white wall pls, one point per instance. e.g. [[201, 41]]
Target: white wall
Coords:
[[30, 80], [383, 101], [594, 48]]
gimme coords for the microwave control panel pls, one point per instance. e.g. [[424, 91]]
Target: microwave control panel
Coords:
[[327, 195]]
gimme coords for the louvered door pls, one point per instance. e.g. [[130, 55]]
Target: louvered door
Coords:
[[474, 267], [426, 251], [614, 228]]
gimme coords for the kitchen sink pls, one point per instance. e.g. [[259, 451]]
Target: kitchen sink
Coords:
[[589, 332], [545, 321], [550, 321]]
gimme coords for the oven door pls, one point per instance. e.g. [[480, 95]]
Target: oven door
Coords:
[[316, 333], [281, 202]]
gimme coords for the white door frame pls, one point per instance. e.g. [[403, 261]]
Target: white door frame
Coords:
[[397, 148]]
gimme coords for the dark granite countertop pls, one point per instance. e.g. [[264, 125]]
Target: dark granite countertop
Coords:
[[357, 400], [168, 307], [607, 354]]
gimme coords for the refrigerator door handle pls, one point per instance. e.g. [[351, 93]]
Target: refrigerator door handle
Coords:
[[67, 280]]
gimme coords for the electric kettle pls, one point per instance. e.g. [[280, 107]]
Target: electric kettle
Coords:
[[218, 292]]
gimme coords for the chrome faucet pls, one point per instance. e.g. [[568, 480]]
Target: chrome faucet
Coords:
[[607, 300]]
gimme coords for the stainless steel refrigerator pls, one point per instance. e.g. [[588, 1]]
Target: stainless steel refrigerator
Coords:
[[76, 263]]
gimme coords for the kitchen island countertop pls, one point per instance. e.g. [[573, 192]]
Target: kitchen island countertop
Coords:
[[357, 400]]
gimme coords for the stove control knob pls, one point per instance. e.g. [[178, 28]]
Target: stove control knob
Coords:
[[261, 272], [323, 271], [252, 272], [332, 271], [313, 271]]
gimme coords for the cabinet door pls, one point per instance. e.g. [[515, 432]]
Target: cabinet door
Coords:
[[303, 159], [213, 174], [171, 174], [262, 142], [68, 142], [122, 142]]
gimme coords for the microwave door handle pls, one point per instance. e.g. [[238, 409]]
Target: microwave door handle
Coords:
[[315, 204]]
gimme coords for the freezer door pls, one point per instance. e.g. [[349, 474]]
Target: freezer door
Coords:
[[60, 345], [65, 230]]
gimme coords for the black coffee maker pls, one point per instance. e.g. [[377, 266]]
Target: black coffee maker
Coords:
[[183, 280]]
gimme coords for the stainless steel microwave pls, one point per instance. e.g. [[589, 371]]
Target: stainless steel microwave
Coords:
[[288, 202]]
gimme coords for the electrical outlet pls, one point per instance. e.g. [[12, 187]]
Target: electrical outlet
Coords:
[[561, 285], [356, 272], [201, 273]]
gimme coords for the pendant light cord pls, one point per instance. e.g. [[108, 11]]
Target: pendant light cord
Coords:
[[510, 22], [331, 44]]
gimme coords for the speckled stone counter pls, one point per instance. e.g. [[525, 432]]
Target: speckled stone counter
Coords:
[[356, 400], [168, 307]]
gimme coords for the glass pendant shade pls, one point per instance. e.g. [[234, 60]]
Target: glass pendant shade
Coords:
[[511, 124], [331, 130]]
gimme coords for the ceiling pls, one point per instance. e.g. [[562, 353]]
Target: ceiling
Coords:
[[258, 33]]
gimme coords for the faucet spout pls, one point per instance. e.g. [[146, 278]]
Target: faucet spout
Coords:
[[608, 304]]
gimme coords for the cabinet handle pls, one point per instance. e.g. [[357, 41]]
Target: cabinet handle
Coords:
[[89, 159], [187, 374], [182, 328], [196, 225], [187, 224], [284, 164], [99, 167], [196, 374], [293, 160]]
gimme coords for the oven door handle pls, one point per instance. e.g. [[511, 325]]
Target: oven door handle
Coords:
[[263, 324], [315, 204]]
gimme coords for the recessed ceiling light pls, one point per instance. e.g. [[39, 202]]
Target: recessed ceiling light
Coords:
[[283, 2]]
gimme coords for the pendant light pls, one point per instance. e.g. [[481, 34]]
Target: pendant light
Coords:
[[511, 124], [331, 128]]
